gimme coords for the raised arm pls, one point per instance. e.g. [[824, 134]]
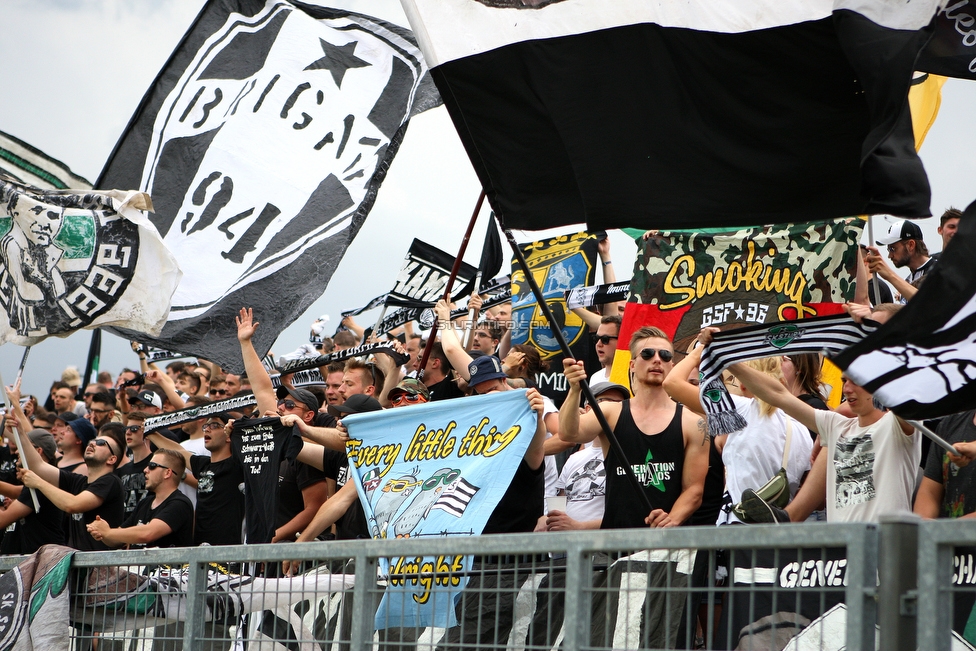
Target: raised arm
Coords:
[[772, 391], [881, 268], [256, 373], [678, 386], [581, 428], [391, 374], [44, 470], [535, 454], [161, 441], [166, 383], [453, 350]]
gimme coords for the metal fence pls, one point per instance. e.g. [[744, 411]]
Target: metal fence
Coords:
[[946, 596], [744, 587]]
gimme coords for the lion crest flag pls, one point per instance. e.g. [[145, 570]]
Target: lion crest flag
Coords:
[[75, 259], [437, 469], [684, 281], [263, 144]]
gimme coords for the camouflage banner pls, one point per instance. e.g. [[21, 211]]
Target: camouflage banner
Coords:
[[686, 281]]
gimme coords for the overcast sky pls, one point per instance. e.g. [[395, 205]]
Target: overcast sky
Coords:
[[75, 70]]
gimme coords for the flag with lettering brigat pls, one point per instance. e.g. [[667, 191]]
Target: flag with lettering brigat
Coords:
[[437, 469], [263, 143]]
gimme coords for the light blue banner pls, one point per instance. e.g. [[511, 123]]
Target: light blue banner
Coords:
[[437, 469]]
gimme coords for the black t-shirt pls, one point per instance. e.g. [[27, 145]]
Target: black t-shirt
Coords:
[[260, 444], [8, 466], [176, 511], [25, 536], [293, 478], [521, 506], [109, 488], [958, 484], [220, 500], [444, 390], [351, 524], [133, 478]]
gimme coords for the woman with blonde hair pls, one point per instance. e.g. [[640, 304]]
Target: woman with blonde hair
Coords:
[[756, 453]]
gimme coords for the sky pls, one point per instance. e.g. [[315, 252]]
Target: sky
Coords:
[[75, 71]]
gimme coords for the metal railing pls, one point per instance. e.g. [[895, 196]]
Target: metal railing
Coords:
[[946, 593], [575, 591]]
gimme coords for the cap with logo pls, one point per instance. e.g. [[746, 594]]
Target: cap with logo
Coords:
[[150, 398], [899, 230], [485, 369], [303, 396]]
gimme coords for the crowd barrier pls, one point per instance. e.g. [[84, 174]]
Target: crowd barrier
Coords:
[[811, 586]]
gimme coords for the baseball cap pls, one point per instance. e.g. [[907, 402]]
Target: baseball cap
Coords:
[[357, 404], [899, 230], [45, 440], [150, 398], [303, 396], [484, 369], [67, 416], [84, 430], [410, 385], [600, 388]]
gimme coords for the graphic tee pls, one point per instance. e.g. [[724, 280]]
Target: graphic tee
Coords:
[[584, 479], [220, 500], [109, 488], [133, 478], [872, 469], [959, 489], [260, 445], [176, 511]]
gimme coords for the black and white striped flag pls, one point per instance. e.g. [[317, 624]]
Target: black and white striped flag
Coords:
[[597, 295], [456, 497], [815, 335], [922, 363]]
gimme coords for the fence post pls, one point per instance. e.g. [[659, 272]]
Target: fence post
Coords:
[[361, 633], [898, 578], [196, 605]]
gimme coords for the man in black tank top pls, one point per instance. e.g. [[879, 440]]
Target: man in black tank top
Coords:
[[665, 445]]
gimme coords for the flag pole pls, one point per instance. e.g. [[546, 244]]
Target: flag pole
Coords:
[[470, 335], [450, 281], [584, 386], [94, 355], [876, 286], [17, 432]]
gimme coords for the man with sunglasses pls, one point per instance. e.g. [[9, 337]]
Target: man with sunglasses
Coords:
[[162, 519], [906, 248], [606, 346], [132, 474], [666, 445], [82, 498]]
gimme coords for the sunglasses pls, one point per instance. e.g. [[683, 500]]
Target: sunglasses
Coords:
[[605, 339], [665, 354], [133, 428], [153, 465], [220, 392], [408, 398], [102, 443], [289, 404]]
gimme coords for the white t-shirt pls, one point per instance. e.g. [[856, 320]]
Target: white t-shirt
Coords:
[[753, 455], [584, 480], [872, 469], [603, 375], [552, 473]]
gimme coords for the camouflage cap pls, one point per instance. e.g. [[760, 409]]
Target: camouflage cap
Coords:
[[410, 385]]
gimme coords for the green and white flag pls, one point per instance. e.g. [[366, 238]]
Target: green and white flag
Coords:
[[26, 164], [74, 259]]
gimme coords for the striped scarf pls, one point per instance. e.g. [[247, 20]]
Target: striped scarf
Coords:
[[830, 333]]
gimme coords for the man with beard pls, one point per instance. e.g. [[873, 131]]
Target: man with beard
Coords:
[[666, 445], [906, 248]]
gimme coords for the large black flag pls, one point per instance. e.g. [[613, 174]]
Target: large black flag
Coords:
[[922, 363], [952, 50], [668, 115], [263, 143]]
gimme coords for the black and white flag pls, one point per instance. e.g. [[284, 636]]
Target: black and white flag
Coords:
[[813, 335], [597, 295], [73, 259], [263, 143], [424, 275], [922, 362], [455, 498], [29, 165], [372, 305]]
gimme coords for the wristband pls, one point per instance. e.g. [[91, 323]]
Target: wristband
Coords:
[[607, 262]]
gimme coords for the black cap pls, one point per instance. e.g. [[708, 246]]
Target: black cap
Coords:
[[899, 232], [357, 404], [303, 396]]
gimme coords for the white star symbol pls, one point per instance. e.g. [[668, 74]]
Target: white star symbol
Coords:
[[739, 312]]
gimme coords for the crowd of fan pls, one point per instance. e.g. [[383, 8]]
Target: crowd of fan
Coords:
[[102, 481]]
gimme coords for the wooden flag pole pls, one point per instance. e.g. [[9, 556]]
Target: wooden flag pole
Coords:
[[584, 386], [450, 282]]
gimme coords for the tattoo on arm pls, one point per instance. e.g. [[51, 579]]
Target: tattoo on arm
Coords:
[[703, 428]]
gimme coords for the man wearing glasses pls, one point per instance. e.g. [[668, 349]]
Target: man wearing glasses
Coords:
[[606, 346], [102, 409], [666, 445], [131, 474], [162, 519], [99, 495], [906, 248]]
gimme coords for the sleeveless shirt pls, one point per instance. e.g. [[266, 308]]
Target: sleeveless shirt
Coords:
[[657, 460]]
